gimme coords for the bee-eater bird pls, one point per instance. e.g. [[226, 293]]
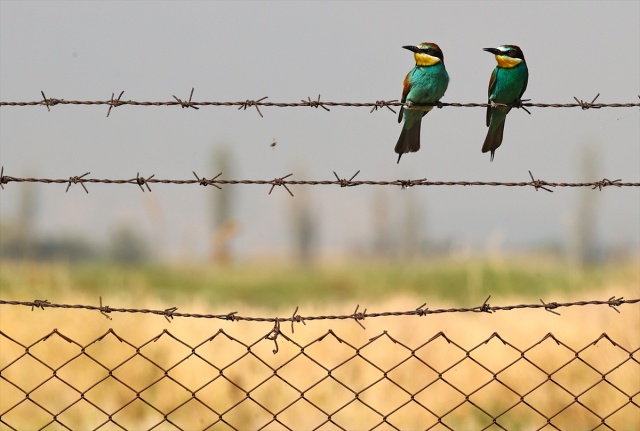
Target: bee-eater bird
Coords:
[[426, 83], [507, 85]]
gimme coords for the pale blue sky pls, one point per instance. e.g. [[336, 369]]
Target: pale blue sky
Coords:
[[347, 51]]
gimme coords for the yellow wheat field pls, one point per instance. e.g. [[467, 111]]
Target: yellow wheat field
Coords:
[[138, 388]]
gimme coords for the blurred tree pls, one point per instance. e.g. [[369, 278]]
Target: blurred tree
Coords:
[[303, 227], [12, 241], [225, 228], [128, 247], [382, 244], [69, 247], [66, 247], [412, 232], [27, 213], [584, 249], [18, 235]]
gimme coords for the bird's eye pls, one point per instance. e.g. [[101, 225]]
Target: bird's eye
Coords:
[[512, 53]]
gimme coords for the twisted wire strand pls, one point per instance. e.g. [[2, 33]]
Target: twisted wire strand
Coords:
[[313, 103], [357, 315], [144, 183]]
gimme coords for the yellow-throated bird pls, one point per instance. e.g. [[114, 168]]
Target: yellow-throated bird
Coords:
[[507, 85], [426, 83]]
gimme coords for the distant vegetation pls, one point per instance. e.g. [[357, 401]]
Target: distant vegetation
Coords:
[[125, 246], [467, 282]]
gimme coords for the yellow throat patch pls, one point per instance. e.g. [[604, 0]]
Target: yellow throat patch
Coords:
[[507, 62], [423, 59]]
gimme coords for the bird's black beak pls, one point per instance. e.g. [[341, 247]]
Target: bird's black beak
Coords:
[[494, 51], [412, 48]]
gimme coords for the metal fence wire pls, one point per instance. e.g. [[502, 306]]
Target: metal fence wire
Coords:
[[223, 382], [309, 102], [291, 382], [217, 182]]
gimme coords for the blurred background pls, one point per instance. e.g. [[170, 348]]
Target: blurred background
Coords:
[[289, 51], [328, 248]]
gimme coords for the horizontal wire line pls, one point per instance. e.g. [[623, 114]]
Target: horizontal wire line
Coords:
[[172, 312], [284, 182], [314, 103]]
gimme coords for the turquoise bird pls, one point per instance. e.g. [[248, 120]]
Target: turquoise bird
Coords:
[[426, 83], [507, 85]]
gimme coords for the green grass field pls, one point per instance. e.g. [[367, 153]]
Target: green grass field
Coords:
[[281, 285]]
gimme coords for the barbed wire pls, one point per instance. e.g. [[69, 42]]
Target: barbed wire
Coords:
[[144, 183], [313, 103], [357, 316]]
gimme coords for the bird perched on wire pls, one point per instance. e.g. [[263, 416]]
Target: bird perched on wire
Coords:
[[507, 85], [425, 84]]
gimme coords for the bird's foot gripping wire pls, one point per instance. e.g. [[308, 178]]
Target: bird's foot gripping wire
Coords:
[[520, 105]]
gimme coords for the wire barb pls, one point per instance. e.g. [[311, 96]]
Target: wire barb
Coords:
[[76, 180], [280, 182], [385, 104], [244, 105], [550, 306], [186, 104], [538, 184], [615, 302], [344, 182], [315, 103], [104, 310], [116, 102], [204, 182], [405, 184], [141, 181], [40, 303], [605, 182], [168, 313], [485, 307], [359, 316], [295, 317], [587, 105], [49, 102]]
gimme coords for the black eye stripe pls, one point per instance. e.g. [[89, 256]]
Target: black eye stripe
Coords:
[[513, 53], [430, 51]]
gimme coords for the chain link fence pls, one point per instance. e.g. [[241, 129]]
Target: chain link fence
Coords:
[[226, 383]]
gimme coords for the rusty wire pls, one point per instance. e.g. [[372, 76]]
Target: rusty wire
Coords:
[[412, 380], [313, 103], [357, 315], [144, 182]]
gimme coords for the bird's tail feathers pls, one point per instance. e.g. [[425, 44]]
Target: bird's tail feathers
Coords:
[[493, 139], [409, 140]]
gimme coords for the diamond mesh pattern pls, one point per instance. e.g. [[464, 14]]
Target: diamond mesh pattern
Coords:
[[327, 383]]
